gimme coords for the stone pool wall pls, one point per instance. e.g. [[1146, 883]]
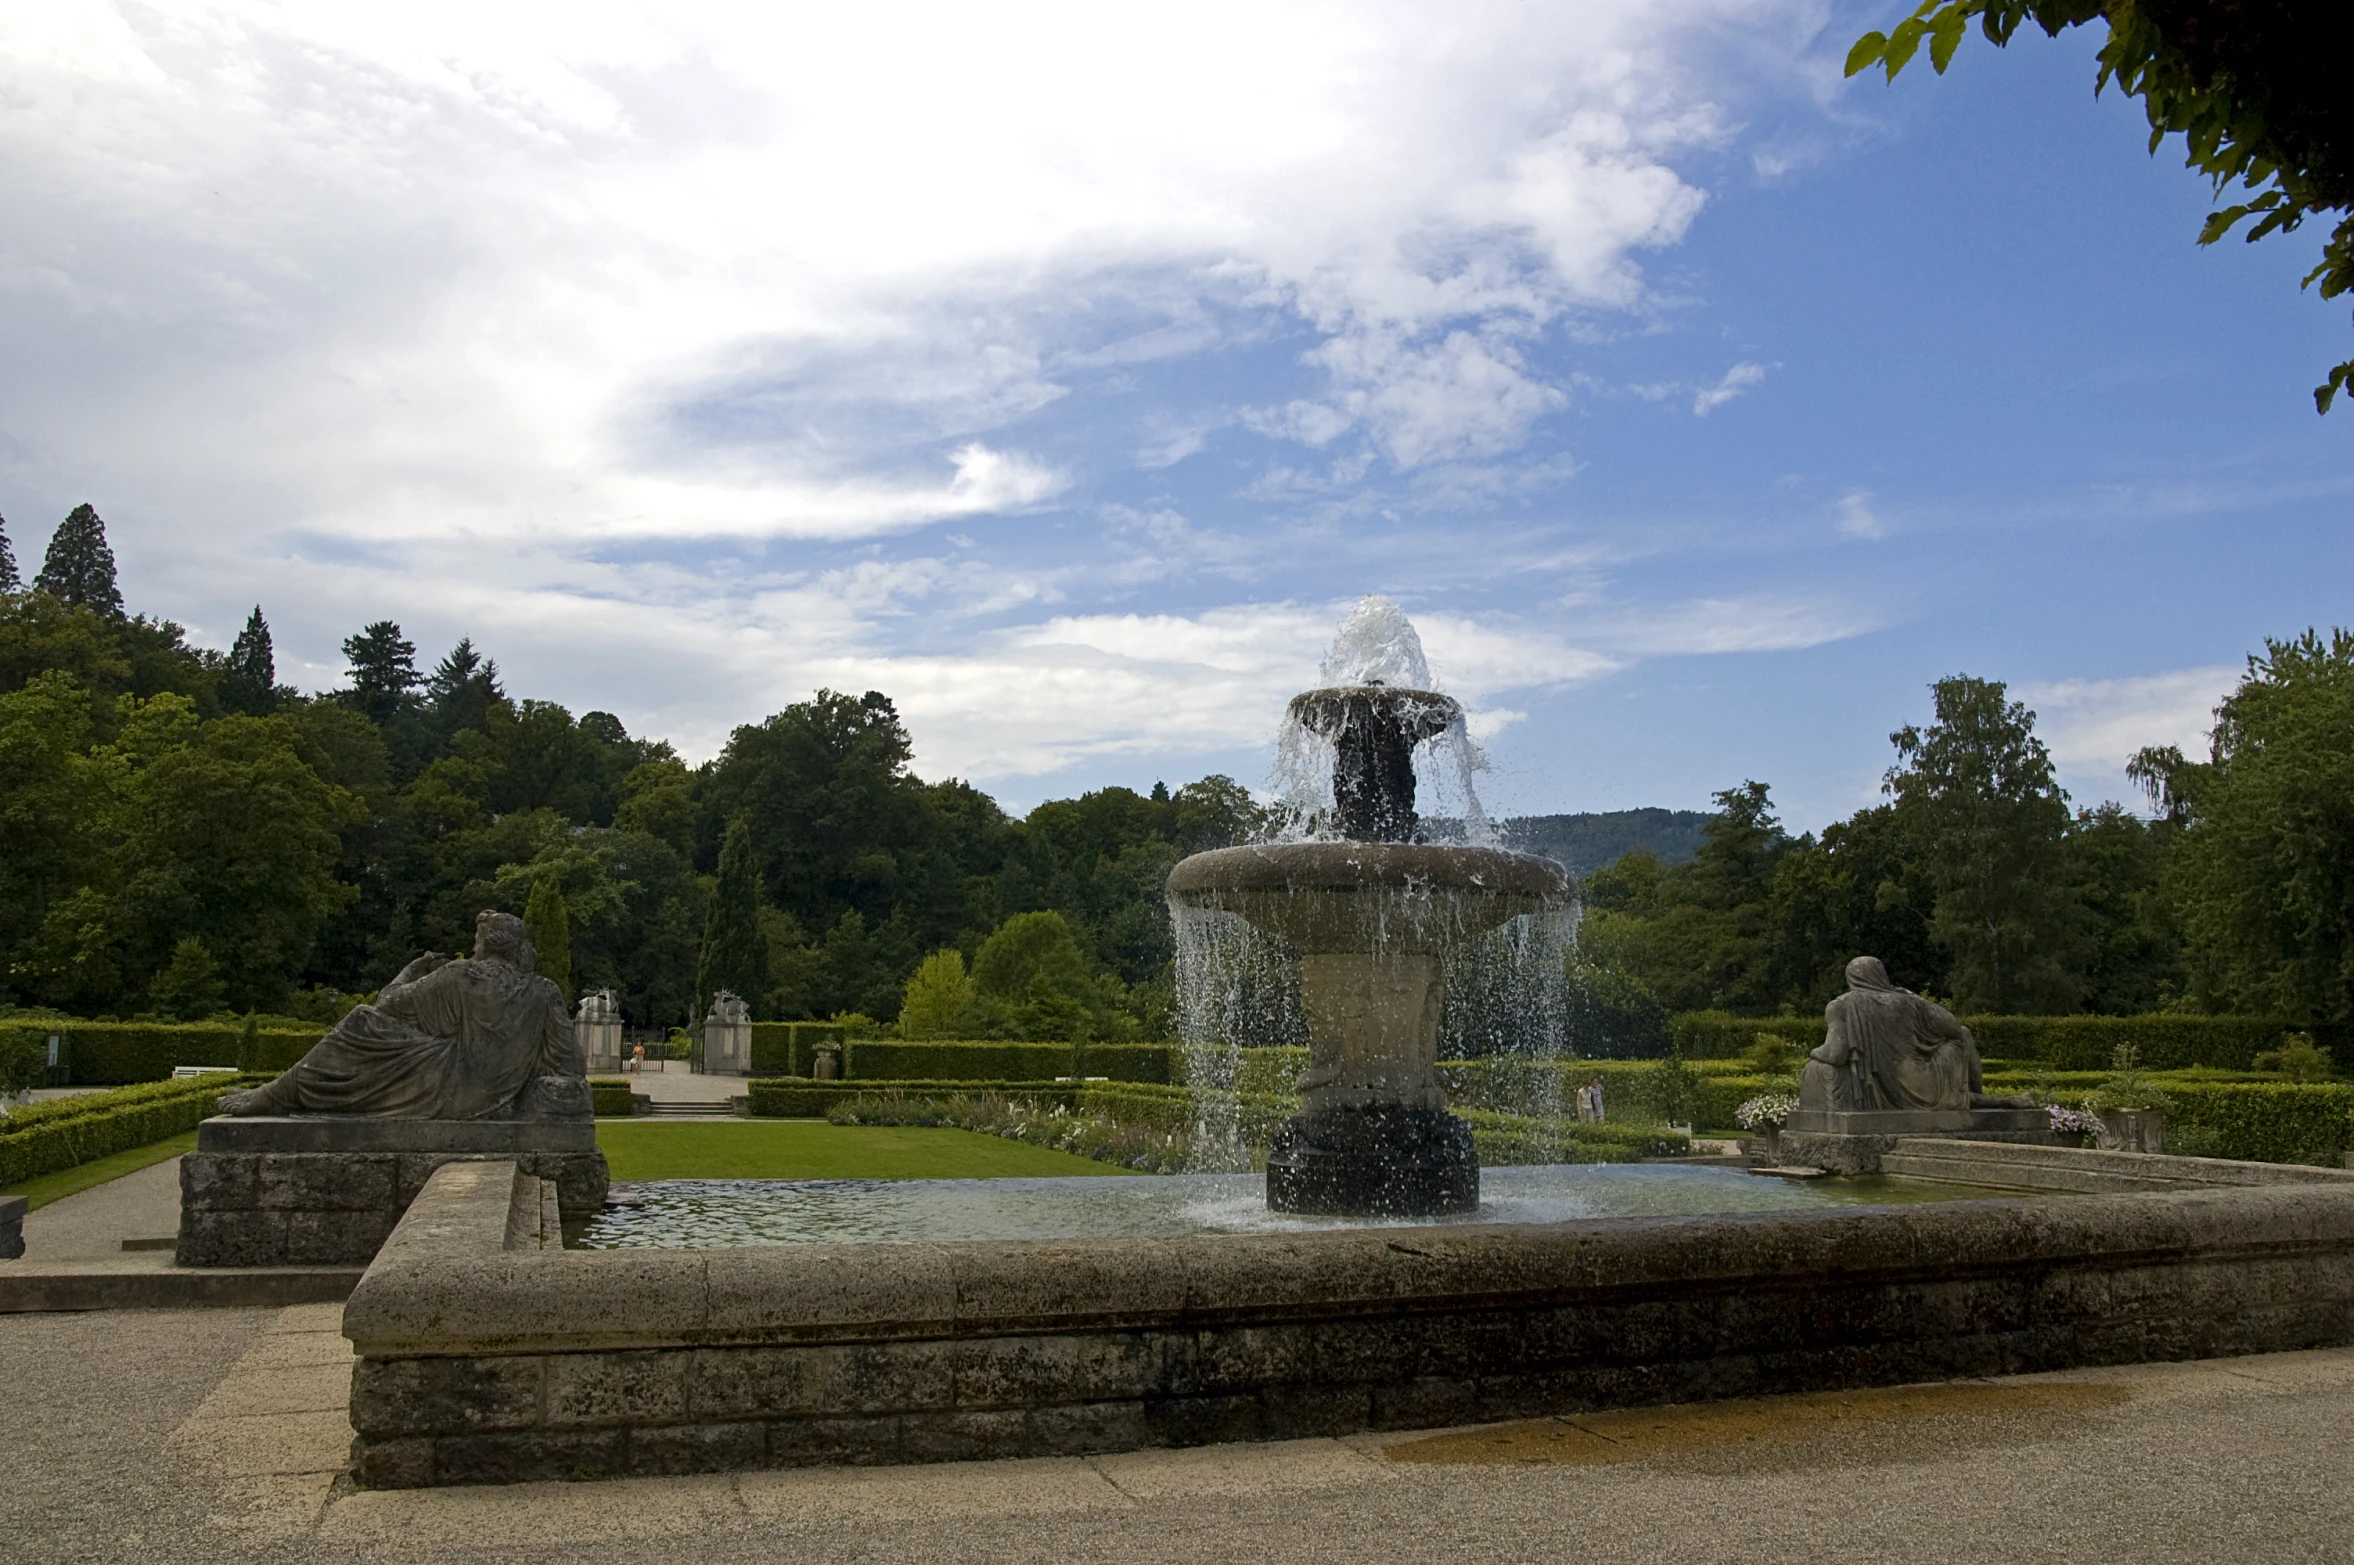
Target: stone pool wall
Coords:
[[488, 1354]]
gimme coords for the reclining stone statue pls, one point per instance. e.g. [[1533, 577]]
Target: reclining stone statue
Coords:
[[482, 1039], [1890, 1051]]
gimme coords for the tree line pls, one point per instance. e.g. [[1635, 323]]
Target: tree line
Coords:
[[1975, 880], [180, 834]]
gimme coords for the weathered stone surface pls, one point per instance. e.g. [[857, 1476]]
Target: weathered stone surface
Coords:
[[335, 1208], [1288, 1336], [369, 1133], [12, 1226]]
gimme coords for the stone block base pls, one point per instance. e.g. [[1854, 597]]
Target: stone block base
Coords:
[[12, 1226], [1373, 1162], [1853, 1154], [334, 1208]]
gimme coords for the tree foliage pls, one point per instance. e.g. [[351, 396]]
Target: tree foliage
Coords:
[[2262, 874], [79, 569], [2257, 89]]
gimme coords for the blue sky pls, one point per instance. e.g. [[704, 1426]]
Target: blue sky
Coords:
[[1065, 372]]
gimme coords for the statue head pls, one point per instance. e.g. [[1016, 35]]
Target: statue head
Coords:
[[1865, 972], [499, 937]]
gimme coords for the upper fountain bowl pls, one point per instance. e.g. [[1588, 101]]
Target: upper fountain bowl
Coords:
[[1402, 897]]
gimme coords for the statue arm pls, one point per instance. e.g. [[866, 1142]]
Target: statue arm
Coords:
[[429, 963]]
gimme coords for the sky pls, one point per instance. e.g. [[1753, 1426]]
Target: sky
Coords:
[[1067, 371]]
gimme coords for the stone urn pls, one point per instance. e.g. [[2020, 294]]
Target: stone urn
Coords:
[[825, 1063], [2132, 1130]]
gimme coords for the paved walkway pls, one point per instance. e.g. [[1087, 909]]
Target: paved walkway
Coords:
[[92, 1224], [679, 1085], [220, 1434]]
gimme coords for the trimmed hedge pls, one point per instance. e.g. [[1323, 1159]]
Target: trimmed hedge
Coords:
[[2060, 1042], [609, 1097], [46, 1138], [794, 1099], [788, 1048], [107, 1053], [885, 1059], [2261, 1122]]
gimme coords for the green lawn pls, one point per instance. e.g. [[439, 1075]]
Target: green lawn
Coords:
[[75, 1180], [814, 1149]]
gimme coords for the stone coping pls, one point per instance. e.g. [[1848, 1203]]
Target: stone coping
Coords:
[[446, 1282], [2082, 1170], [378, 1133]]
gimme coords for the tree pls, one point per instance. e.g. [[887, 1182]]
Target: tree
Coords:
[[189, 988], [383, 671], [938, 1002], [2261, 872], [1976, 794], [249, 679], [550, 931], [79, 568], [461, 690], [734, 955], [1700, 934], [2256, 87], [9, 581]]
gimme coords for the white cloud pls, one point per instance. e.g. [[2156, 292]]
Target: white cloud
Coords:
[[1857, 519], [1743, 376], [2092, 726], [1720, 625], [716, 269]]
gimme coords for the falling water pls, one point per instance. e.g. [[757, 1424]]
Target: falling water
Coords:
[[1376, 645], [1238, 986]]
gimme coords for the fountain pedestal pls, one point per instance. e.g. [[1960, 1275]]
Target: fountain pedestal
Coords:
[[1372, 923]]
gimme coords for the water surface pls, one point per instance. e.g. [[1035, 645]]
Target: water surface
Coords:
[[715, 1213]]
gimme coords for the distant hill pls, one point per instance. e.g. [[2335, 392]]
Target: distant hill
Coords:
[[1586, 842]]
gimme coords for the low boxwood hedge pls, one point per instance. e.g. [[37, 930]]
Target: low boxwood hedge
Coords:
[[609, 1097], [46, 1138], [2060, 1042]]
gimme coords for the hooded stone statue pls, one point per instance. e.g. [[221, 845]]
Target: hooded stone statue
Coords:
[[1890, 1050], [480, 1039]]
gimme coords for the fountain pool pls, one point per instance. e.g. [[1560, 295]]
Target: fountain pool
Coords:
[[718, 1213]]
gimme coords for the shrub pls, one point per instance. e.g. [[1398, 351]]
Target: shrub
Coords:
[[886, 1059], [794, 1099], [2298, 1058], [2062, 1042], [610, 1097], [48, 1137]]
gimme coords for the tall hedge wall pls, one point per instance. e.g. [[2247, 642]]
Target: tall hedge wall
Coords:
[[788, 1048], [114, 1053], [48, 1137]]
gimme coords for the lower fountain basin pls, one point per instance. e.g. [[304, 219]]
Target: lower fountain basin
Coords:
[[730, 1213]]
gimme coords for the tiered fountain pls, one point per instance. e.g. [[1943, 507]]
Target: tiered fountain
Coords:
[[1371, 912]]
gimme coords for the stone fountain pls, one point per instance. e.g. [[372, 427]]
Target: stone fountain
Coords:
[[1371, 912]]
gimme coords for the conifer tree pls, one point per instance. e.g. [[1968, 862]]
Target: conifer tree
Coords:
[[383, 670], [249, 681], [734, 957], [549, 926], [79, 568], [462, 690], [8, 577], [190, 986]]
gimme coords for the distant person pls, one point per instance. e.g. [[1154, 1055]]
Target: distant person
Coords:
[[637, 1059], [1584, 1101], [1594, 1096]]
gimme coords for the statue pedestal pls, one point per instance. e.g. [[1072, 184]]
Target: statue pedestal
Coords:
[[1853, 1143], [317, 1189]]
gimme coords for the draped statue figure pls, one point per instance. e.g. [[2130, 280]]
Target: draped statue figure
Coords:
[[1889, 1049], [480, 1039]]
